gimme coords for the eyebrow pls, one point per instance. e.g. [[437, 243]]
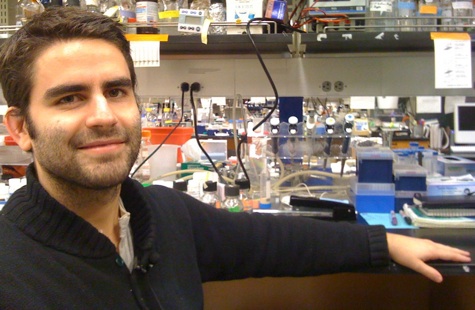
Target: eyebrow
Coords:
[[62, 89]]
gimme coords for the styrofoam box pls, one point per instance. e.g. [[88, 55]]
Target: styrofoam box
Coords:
[[373, 197]]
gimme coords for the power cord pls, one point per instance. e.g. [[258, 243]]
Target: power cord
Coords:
[[196, 87], [184, 88]]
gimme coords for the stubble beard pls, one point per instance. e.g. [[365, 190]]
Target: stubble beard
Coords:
[[64, 164]]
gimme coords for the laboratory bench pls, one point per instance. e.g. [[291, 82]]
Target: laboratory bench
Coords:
[[392, 287]]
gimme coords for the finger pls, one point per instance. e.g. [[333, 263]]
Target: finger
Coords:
[[429, 272], [452, 254]]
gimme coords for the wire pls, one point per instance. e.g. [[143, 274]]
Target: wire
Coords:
[[184, 89], [195, 87], [258, 54]]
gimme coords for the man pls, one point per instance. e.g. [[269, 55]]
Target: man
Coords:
[[82, 235]]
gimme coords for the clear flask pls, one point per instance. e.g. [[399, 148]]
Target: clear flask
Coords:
[[143, 173], [232, 202], [210, 195]]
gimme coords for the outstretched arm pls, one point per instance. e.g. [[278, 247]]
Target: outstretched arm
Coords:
[[413, 253]]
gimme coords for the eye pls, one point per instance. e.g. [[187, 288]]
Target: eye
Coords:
[[116, 92], [69, 99]]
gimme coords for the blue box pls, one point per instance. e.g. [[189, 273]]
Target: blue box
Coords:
[[373, 197], [374, 164], [410, 177], [276, 9]]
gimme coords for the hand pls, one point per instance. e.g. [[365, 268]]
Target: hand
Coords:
[[413, 253]]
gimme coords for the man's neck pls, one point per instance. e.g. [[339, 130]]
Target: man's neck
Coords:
[[98, 207]]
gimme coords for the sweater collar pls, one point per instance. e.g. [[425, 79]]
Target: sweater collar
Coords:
[[44, 219]]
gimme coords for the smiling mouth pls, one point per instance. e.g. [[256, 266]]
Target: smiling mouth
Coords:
[[102, 144]]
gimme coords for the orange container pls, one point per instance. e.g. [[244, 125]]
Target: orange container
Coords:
[[178, 137]]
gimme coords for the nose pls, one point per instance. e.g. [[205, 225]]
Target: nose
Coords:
[[101, 114]]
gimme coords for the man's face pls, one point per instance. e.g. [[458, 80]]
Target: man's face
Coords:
[[84, 123]]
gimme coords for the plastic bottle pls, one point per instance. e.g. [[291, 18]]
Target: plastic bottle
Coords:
[[383, 12], [146, 12], [143, 174], [217, 13], [244, 186], [232, 202], [210, 195], [406, 13]]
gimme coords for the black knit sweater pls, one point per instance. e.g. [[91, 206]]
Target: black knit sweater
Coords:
[[52, 259]]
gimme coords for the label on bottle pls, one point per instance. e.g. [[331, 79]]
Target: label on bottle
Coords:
[[381, 6], [146, 11], [234, 209]]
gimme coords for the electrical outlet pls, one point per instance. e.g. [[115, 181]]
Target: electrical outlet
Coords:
[[339, 86], [326, 86]]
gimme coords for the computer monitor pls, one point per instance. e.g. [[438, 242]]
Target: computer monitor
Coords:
[[464, 123]]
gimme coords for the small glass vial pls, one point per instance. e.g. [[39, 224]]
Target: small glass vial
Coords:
[[232, 202], [244, 186], [210, 195]]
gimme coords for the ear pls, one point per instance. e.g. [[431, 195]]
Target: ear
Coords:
[[16, 126]]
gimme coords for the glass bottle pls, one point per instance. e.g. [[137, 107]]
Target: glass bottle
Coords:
[[92, 6], [462, 8], [194, 189], [26, 9], [200, 5], [430, 9], [232, 202], [406, 12], [244, 186], [446, 13], [217, 13], [210, 195], [381, 14], [143, 173], [146, 13]]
